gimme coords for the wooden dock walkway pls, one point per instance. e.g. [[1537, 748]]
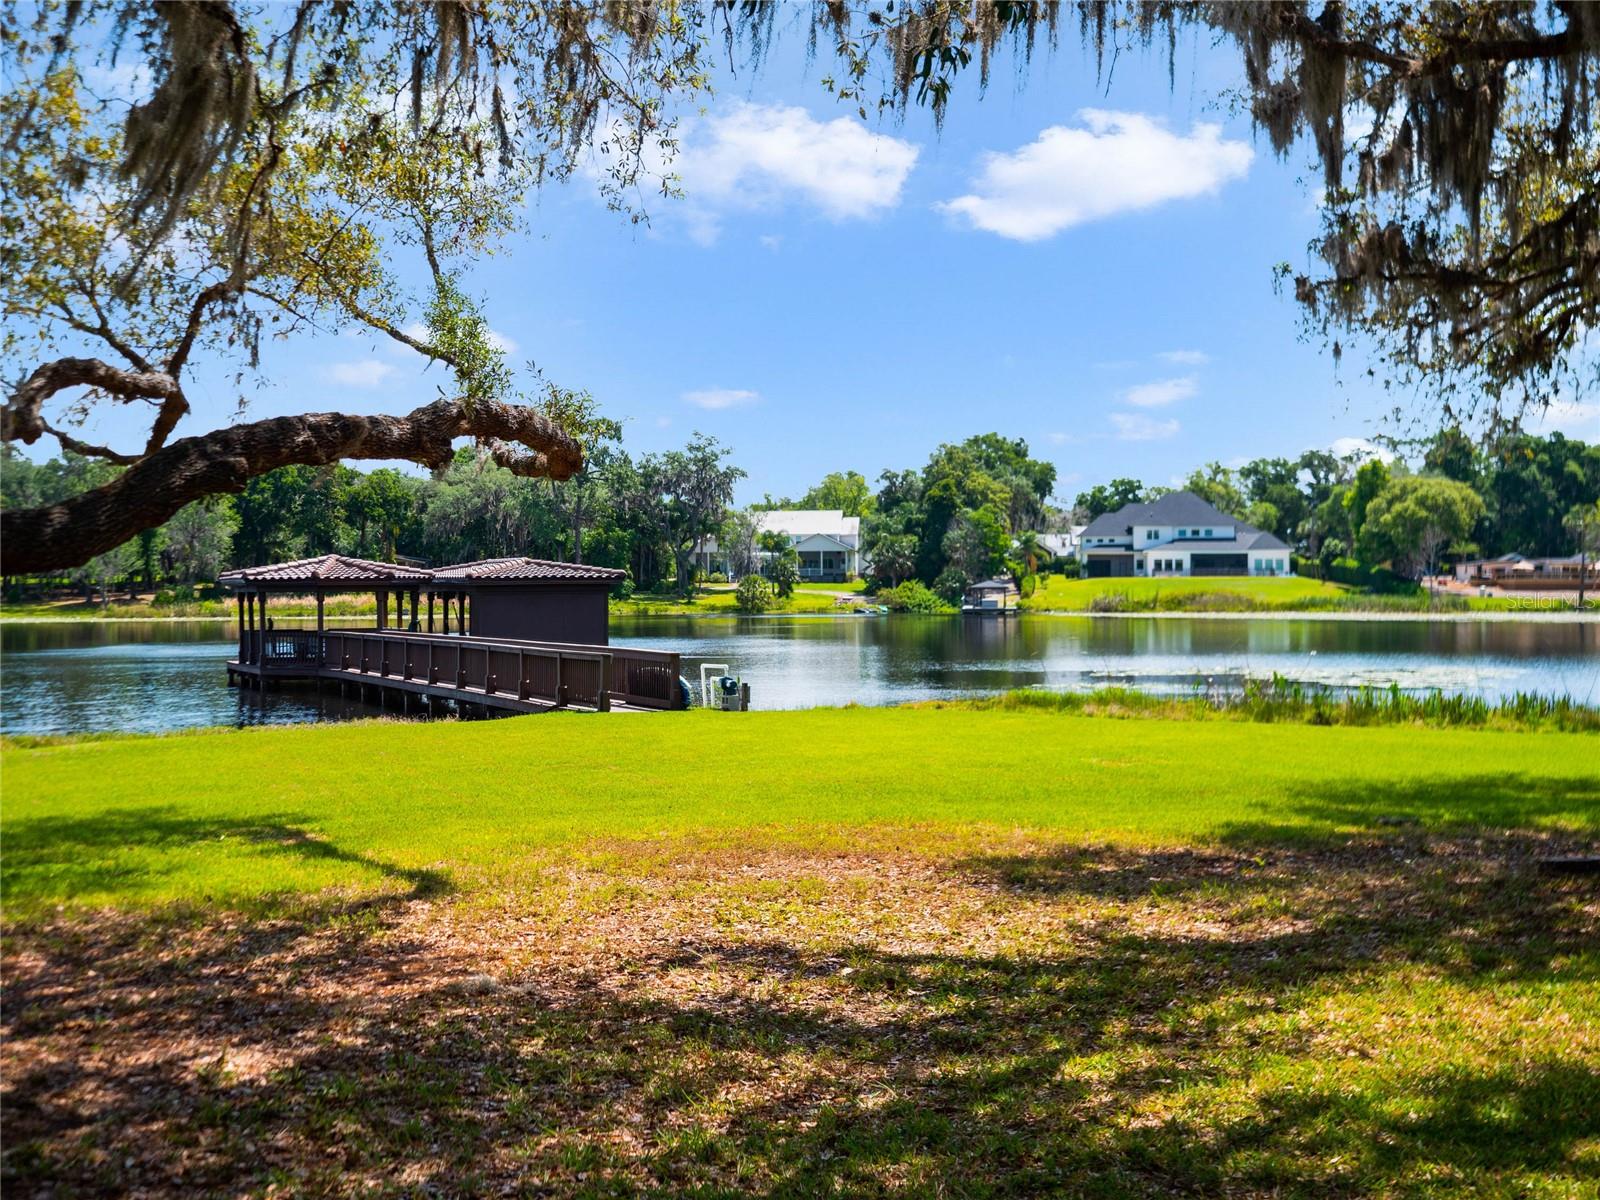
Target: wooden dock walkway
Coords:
[[474, 674]]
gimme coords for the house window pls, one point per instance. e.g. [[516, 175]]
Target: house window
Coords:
[[1208, 533]]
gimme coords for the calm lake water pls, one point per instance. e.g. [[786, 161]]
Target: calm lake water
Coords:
[[72, 677]]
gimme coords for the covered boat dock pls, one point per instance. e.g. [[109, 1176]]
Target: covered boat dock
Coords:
[[499, 635]]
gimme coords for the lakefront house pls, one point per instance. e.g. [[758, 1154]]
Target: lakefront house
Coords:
[[1178, 534], [827, 542]]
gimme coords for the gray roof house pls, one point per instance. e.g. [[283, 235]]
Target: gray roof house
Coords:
[[1178, 534]]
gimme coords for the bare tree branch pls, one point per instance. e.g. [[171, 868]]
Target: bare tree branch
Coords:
[[22, 419], [57, 536], [89, 449]]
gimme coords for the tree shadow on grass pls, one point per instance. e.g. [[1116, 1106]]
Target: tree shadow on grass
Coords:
[[1439, 874], [1533, 807], [55, 859], [1147, 1042]]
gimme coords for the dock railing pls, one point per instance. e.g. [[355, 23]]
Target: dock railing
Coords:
[[555, 673], [558, 677], [642, 678]]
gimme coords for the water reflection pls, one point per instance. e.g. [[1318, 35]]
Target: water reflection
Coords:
[[146, 677], [57, 677], [795, 662]]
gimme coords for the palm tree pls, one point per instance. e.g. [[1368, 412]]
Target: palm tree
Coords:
[[894, 557], [1583, 522], [1031, 551]]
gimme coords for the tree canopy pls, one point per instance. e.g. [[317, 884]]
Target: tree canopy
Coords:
[[277, 160], [264, 182]]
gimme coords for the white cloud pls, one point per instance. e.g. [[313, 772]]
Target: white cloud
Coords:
[[1354, 447], [417, 331], [368, 373], [1161, 392], [1571, 417], [1136, 427], [759, 156], [1121, 162], [771, 241], [715, 398], [663, 422], [1185, 358]]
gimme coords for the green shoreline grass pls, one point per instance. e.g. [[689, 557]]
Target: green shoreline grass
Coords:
[[1291, 596], [991, 950], [81, 827]]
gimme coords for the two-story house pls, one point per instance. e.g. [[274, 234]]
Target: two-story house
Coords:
[[1179, 534]]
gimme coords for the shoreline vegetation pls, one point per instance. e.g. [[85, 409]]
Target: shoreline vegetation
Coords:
[[1277, 700], [1328, 954], [1056, 595]]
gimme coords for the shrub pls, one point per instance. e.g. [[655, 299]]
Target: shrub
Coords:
[[716, 577], [624, 589], [1030, 584], [1351, 573], [754, 595], [1109, 602], [912, 596]]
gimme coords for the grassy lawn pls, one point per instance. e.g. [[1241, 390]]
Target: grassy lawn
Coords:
[[721, 601], [967, 952], [854, 587], [1059, 592], [1289, 594]]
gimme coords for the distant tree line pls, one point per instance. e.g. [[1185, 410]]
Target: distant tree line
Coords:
[[644, 513], [977, 508], [1522, 493]]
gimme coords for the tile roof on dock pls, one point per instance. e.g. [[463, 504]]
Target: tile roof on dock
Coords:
[[327, 568], [521, 569], [340, 570]]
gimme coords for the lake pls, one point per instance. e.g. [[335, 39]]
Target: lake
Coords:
[[90, 676]]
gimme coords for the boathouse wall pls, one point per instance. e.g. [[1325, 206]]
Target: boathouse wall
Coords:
[[542, 612]]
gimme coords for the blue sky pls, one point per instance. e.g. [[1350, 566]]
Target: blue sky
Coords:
[[1088, 268]]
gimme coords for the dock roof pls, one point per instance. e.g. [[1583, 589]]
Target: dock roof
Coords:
[[339, 571], [326, 568], [521, 569]]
